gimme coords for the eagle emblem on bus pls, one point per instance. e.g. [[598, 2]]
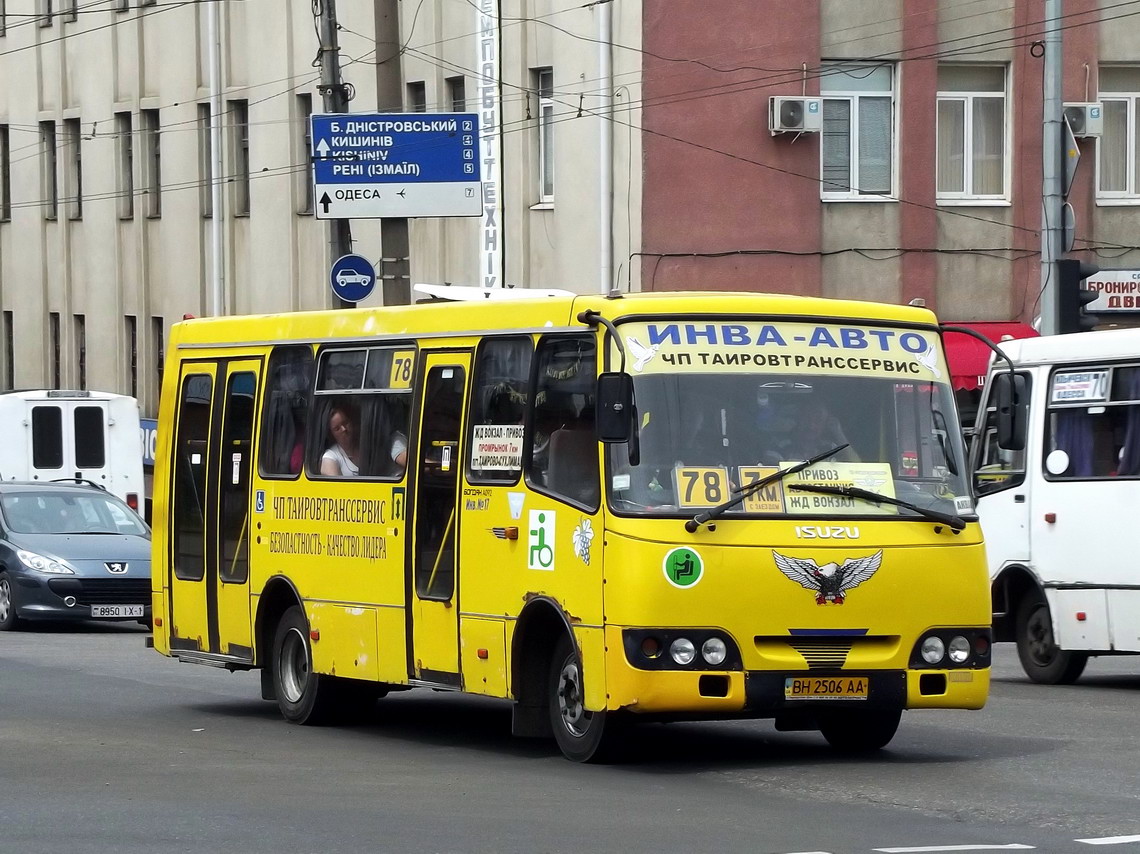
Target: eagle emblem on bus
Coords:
[[831, 581]]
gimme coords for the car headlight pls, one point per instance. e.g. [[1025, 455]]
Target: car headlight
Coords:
[[43, 564], [933, 649], [959, 649], [713, 651], [683, 651]]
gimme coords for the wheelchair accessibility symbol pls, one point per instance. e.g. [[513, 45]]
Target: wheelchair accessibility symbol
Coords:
[[540, 541]]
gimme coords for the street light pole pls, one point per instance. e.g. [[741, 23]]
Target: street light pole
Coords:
[[1052, 202], [335, 101]]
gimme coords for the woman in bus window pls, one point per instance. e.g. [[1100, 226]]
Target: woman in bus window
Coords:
[[342, 457]]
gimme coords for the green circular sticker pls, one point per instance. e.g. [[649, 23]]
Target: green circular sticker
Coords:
[[683, 567]]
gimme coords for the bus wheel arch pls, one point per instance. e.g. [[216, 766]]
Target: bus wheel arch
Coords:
[[1014, 584], [1041, 658], [537, 632], [278, 597]]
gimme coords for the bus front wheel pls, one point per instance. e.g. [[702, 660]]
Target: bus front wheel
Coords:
[[1041, 658], [303, 696], [582, 736], [858, 731]]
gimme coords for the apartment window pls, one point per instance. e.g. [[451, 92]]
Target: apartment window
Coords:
[[5, 173], [152, 151], [122, 5], [74, 135], [49, 181], [9, 352], [125, 142], [972, 162], [132, 341], [857, 147], [158, 344], [3, 17], [417, 97], [205, 162], [239, 123], [1118, 155], [80, 326], [54, 344], [457, 94], [71, 10], [543, 79], [45, 12], [305, 140]]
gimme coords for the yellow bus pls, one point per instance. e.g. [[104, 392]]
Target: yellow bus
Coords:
[[603, 509]]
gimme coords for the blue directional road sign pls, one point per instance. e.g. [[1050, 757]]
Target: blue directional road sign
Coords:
[[352, 278], [369, 165]]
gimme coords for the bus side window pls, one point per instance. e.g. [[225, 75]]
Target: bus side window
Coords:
[[498, 410], [563, 442], [997, 467], [286, 410]]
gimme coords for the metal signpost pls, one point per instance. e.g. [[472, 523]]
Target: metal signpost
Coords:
[[368, 166]]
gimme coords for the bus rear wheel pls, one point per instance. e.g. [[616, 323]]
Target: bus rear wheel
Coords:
[[582, 736], [858, 731], [1041, 659], [303, 696]]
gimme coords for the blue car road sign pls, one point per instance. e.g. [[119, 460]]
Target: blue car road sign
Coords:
[[369, 165], [352, 278]]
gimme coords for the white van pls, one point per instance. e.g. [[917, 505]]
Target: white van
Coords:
[[1060, 516], [48, 435]]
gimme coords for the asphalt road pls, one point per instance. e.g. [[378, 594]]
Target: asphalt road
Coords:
[[106, 746]]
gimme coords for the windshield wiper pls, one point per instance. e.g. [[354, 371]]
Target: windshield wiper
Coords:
[[949, 519], [744, 492]]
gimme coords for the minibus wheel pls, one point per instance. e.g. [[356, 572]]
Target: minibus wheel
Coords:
[[859, 731], [1041, 659], [582, 736], [303, 696]]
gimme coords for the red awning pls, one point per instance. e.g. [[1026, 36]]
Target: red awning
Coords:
[[969, 357]]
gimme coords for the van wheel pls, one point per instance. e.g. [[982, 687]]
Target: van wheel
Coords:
[[1041, 658], [582, 736], [858, 731], [9, 621], [303, 696]]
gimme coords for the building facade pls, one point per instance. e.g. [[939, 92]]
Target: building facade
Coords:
[[629, 148]]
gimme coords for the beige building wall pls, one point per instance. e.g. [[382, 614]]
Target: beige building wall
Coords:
[[105, 266]]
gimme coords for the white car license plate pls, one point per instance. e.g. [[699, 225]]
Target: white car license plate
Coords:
[[116, 610]]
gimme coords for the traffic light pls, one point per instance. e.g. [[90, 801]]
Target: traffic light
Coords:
[[1073, 295]]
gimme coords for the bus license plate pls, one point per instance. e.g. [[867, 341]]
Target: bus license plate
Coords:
[[116, 611], [825, 688]]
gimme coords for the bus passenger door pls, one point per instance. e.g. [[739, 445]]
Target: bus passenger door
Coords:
[[434, 653], [231, 631], [192, 460]]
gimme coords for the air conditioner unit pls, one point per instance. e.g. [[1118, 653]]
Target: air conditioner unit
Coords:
[[1085, 119], [795, 115]]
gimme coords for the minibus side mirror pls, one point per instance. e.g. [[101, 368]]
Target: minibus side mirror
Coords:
[[615, 407], [1012, 404]]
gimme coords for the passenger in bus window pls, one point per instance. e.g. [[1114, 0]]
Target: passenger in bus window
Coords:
[[799, 430], [342, 457]]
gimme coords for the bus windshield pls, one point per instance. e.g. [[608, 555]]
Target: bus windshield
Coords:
[[703, 434]]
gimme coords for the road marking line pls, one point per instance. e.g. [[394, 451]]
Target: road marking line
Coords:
[[1011, 846], [1110, 840]]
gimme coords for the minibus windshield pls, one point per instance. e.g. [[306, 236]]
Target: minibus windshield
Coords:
[[703, 434]]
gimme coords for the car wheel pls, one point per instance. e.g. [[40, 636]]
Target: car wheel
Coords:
[[303, 696], [1041, 659], [856, 731], [582, 736], [9, 620]]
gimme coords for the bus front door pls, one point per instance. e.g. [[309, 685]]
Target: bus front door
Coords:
[[434, 654]]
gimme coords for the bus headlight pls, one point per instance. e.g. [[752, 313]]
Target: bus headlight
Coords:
[[713, 651], [959, 649], [933, 649], [683, 651]]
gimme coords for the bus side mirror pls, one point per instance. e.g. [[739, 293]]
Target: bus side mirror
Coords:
[[615, 407], [1012, 411]]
